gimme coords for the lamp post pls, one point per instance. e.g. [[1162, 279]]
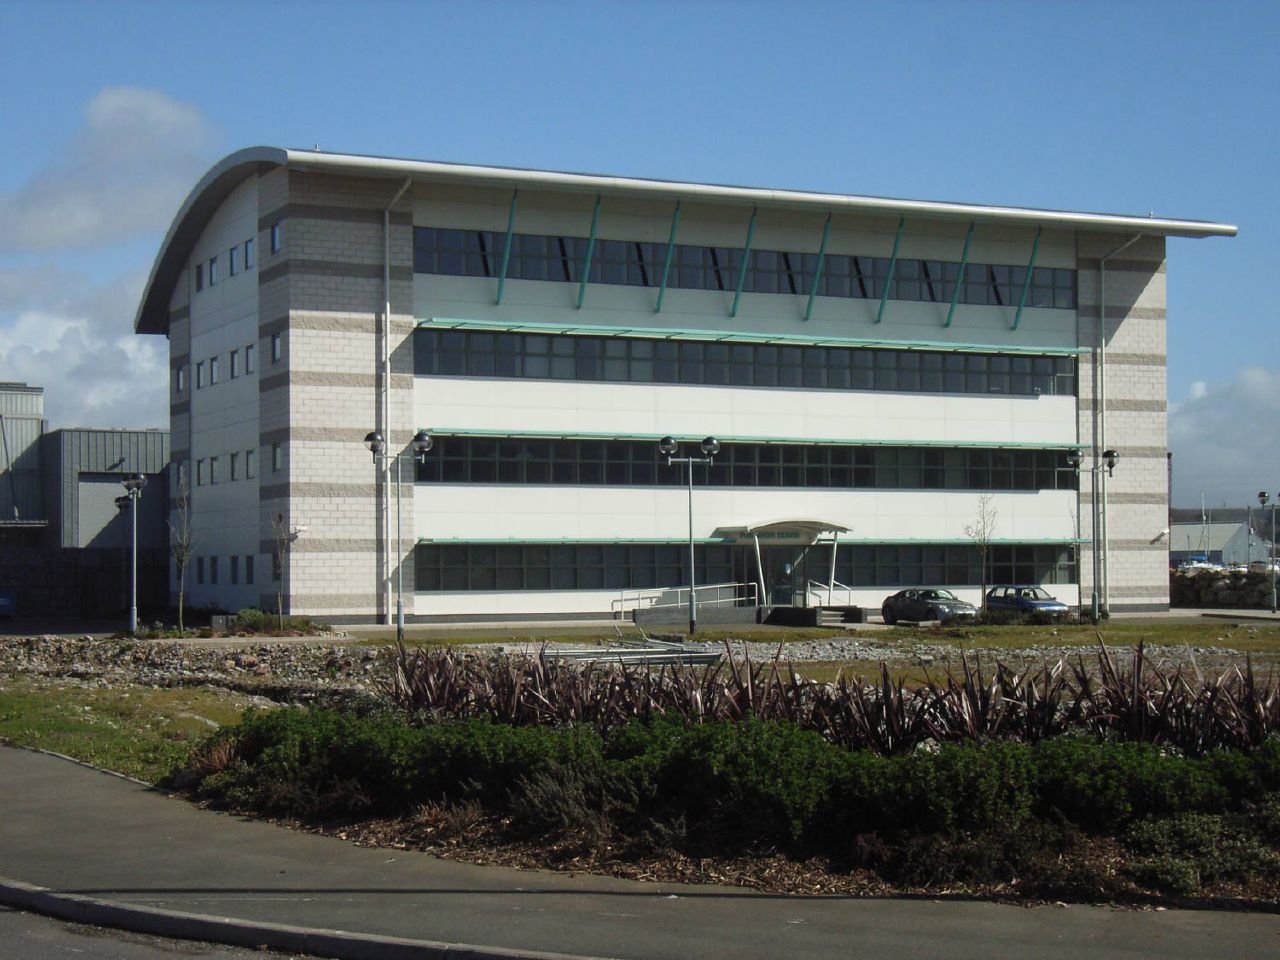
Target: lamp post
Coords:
[[133, 491], [1075, 459], [710, 447], [376, 445], [122, 504], [1264, 499]]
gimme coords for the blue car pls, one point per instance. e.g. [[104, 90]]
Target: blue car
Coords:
[[1025, 599]]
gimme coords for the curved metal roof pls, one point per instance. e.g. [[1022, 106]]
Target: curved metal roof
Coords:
[[214, 186]]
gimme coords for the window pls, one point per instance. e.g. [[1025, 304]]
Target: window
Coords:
[[213, 569], [233, 468], [200, 472], [275, 238], [277, 458], [479, 253], [248, 569], [249, 351], [233, 364], [477, 353], [199, 569], [183, 476], [235, 569], [277, 347], [250, 464], [213, 370], [213, 270], [248, 254], [213, 470], [179, 379], [199, 277], [527, 460], [232, 256], [199, 374]]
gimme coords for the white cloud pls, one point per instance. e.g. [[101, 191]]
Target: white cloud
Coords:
[[1224, 440], [96, 372], [126, 171]]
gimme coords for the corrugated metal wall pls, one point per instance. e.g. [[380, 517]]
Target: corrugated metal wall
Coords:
[[21, 424], [113, 453]]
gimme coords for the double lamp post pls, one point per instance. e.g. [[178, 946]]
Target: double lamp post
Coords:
[[133, 485], [377, 445], [1264, 498], [710, 447]]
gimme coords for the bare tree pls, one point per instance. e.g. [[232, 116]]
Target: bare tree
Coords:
[[181, 539], [981, 532], [285, 538]]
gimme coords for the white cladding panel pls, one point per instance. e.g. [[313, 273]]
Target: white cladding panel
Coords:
[[224, 416], [520, 406], [497, 511]]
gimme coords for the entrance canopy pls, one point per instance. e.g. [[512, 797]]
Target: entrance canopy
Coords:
[[797, 530]]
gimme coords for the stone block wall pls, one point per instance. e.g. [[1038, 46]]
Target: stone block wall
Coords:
[[1136, 418], [324, 294]]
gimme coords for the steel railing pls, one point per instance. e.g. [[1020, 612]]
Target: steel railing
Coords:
[[709, 594]]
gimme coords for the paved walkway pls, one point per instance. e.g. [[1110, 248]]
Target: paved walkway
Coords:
[[75, 830]]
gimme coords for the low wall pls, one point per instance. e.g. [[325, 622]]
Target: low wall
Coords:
[[1218, 588]]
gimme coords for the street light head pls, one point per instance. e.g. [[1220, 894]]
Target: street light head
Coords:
[[668, 445], [1263, 497], [710, 446], [135, 482], [1110, 457], [422, 442], [374, 443], [1074, 459]]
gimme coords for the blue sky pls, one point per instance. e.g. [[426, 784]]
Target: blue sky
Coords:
[[1120, 107]]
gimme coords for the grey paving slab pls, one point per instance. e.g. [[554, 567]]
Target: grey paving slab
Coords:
[[75, 830]]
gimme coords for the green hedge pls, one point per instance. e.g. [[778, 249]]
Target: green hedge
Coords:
[[740, 784]]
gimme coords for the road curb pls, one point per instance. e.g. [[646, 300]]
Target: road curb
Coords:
[[338, 944]]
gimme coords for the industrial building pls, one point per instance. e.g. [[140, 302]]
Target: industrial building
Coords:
[[65, 538], [879, 375]]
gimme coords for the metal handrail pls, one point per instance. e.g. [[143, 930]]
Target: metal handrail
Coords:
[[744, 594], [819, 591]]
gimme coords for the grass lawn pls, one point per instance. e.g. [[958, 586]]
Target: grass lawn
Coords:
[[138, 731], [1236, 635]]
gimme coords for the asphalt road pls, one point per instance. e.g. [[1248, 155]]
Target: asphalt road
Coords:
[[28, 936], [79, 831]]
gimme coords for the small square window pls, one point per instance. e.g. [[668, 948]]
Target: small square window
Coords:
[[199, 569], [180, 379], [213, 470], [234, 467], [277, 458], [232, 269], [275, 238], [213, 270], [199, 374], [235, 569], [250, 464], [213, 370], [213, 569], [248, 569], [233, 364], [248, 254], [200, 472], [277, 347], [249, 351], [199, 277]]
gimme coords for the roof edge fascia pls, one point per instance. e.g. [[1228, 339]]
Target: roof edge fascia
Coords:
[[511, 177]]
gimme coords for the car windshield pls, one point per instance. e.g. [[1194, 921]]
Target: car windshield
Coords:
[[1036, 593], [939, 595]]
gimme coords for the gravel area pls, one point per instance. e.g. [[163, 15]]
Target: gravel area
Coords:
[[322, 670]]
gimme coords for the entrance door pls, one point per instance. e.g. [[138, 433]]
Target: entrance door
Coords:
[[785, 575]]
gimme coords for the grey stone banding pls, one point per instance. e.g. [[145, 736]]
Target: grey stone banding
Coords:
[[323, 211]]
